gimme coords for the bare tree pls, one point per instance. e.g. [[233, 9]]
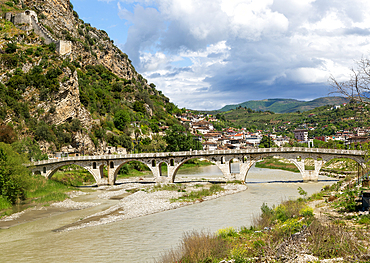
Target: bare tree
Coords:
[[357, 88]]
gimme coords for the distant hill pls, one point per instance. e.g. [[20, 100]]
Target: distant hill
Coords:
[[286, 105]]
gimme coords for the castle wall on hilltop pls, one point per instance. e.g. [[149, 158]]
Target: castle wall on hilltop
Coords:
[[27, 20]]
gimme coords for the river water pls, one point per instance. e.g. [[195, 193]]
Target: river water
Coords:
[[145, 238]]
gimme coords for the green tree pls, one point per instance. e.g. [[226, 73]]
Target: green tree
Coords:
[[179, 140], [139, 107], [11, 48], [14, 176], [266, 142], [121, 120], [30, 148], [76, 125]]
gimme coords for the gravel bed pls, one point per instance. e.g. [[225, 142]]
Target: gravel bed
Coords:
[[69, 204], [144, 203], [122, 189], [13, 216], [75, 194]]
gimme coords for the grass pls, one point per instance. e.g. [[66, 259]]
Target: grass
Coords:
[[168, 187], [364, 219], [199, 194], [41, 191], [4, 204], [44, 189], [74, 176], [273, 163]]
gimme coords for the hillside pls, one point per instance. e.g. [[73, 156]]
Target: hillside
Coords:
[[324, 120], [67, 87], [286, 105]]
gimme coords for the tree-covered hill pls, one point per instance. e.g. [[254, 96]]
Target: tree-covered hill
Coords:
[[81, 101], [324, 120], [286, 105]]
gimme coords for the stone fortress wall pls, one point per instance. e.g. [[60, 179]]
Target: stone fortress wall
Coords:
[[27, 20]]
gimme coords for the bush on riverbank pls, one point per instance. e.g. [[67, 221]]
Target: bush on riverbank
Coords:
[[18, 185], [280, 234], [14, 176]]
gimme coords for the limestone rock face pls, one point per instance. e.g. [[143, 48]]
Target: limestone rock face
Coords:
[[67, 103]]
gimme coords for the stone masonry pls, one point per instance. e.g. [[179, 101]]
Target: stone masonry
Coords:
[[174, 160], [28, 20]]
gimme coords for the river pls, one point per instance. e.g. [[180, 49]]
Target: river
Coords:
[[145, 238]]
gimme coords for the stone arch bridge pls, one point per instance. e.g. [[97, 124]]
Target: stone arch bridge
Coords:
[[174, 160]]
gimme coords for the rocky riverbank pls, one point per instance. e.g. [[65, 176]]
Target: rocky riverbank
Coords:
[[133, 200]]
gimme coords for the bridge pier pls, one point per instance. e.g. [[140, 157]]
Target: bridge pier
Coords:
[[308, 175], [243, 170]]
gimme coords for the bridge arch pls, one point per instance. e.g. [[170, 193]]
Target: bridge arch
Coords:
[[359, 161], [49, 173], [295, 159], [179, 164], [118, 166]]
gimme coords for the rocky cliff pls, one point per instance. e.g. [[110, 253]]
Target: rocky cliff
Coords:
[[70, 101]]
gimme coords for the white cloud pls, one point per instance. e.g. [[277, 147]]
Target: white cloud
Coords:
[[244, 49]]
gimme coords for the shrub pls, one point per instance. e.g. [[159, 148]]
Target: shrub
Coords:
[[306, 212], [11, 48], [121, 119], [330, 241], [76, 125], [10, 60], [14, 176], [29, 51], [202, 247], [226, 232], [43, 133], [7, 134], [364, 219]]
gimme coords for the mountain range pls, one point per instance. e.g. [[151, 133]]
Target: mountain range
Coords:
[[286, 105]]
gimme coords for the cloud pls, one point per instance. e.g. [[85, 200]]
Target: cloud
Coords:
[[205, 54]]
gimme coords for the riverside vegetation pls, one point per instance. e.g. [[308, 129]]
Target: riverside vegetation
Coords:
[[311, 229], [17, 184]]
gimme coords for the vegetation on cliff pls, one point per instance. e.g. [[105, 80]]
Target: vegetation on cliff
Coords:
[[84, 99]]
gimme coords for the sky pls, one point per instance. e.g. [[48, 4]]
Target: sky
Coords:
[[204, 54]]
